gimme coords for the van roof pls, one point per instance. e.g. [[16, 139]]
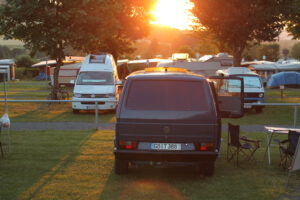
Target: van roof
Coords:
[[236, 71], [163, 73], [98, 62]]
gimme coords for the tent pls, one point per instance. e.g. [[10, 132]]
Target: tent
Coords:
[[284, 78]]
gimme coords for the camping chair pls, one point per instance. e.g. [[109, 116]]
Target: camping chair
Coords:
[[287, 149], [240, 146]]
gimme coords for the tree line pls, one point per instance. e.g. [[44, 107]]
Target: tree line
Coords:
[[51, 26]]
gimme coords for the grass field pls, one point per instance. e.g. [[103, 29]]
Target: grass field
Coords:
[[79, 165]]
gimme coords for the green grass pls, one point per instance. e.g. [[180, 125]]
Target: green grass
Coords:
[[288, 92], [79, 165]]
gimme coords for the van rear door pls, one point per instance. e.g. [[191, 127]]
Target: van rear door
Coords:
[[230, 96]]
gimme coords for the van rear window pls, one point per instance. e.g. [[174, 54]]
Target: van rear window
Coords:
[[97, 59], [168, 95]]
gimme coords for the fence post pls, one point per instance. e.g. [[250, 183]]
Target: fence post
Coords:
[[96, 115], [295, 115]]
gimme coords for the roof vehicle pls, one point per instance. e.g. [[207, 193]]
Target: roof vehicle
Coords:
[[126, 67], [206, 66], [67, 73], [7, 69], [97, 80], [253, 87], [266, 69], [172, 115]]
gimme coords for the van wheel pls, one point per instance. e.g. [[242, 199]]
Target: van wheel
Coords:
[[75, 111], [206, 168], [121, 166]]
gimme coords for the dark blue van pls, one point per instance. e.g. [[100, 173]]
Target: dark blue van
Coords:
[[171, 115]]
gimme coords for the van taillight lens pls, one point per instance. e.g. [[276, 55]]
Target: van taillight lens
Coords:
[[127, 144], [208, 146]]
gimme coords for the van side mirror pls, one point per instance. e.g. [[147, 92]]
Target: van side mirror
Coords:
[[230, 96], [72, 81]]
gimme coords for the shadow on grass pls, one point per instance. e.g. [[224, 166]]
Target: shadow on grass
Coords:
[[36, 158], [250, 181]]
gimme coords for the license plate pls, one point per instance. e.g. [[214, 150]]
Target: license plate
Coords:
[[90, 107], [166, 146]]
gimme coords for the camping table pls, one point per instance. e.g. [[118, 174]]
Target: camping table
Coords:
[[270, 132]]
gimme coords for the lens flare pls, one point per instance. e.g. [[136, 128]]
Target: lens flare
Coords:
[[173, 13]]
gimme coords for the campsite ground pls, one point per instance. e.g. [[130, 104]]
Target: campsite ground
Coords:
[[56, 154]]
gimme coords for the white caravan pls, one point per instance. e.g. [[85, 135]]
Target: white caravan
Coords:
[[97, 80], [253, 87]]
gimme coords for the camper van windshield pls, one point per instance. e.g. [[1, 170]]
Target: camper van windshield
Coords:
[[95, 78], [251, 81]]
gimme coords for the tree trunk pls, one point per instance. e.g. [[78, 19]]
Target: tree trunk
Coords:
[[237, 58], [55, 77]]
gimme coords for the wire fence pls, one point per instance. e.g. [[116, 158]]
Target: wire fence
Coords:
[[64, 101], [295, 105]]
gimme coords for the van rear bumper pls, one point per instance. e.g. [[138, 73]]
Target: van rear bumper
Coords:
[[132, 155]]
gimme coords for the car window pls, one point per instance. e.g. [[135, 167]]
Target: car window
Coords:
[[168, 95]]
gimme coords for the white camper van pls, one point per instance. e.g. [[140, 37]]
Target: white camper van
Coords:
[[253, 87], [97, 80]]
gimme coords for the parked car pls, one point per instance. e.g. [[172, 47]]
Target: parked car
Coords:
[[172, 115]]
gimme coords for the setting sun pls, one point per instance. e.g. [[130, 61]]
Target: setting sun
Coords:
[[173, 13]]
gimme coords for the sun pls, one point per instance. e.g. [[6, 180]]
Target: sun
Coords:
[[173, 13]]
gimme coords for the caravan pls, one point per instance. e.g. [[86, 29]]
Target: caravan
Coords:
[[97, 80]]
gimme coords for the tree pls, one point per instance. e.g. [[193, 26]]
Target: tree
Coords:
[[293, 19], [95, 26], [25, 61], [5, 52], [235, 24], [285, 52], [271, 51], [296, 51]]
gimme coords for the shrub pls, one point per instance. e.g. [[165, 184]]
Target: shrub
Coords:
[[25, 61], [296, 51], [31, 73], [20, 72]]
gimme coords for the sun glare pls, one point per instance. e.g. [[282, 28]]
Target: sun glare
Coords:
[[173, 13]]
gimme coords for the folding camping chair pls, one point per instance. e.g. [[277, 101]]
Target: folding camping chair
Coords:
[[240, 146], [287, 149]]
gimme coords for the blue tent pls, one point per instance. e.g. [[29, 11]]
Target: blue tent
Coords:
[[284, 78]]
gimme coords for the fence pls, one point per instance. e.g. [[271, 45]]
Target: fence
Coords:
[[61, 101], [295, 105], [280, 104]]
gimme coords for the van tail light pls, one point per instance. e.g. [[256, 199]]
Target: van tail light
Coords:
[[127, 144], [207, 146]]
